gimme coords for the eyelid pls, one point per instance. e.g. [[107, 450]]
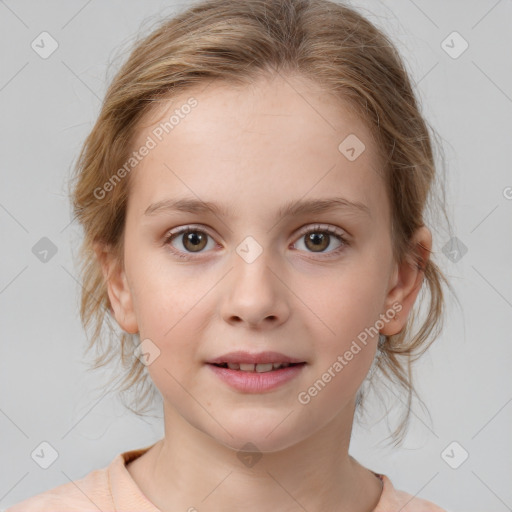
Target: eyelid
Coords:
[[300, 231], [322, 227], [189, 227], [186, 227]]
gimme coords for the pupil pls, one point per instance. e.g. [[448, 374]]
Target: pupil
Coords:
[[318, 240], [195, 239]]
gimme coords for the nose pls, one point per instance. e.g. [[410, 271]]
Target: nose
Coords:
[[255, 294]]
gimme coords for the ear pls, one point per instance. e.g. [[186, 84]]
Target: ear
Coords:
[[119, 292], [407, 281]]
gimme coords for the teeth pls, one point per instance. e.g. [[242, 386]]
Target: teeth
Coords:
[[260, 368]]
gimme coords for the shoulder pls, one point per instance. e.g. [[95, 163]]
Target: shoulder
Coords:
[[90, 493], [393, 500]]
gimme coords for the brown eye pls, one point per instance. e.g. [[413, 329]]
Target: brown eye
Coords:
[[325, 241], [317, 242], [194, 241], [188, 241]]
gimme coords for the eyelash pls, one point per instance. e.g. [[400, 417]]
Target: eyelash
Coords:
[[315, 229]]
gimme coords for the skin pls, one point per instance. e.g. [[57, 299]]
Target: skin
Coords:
[[252, 149]]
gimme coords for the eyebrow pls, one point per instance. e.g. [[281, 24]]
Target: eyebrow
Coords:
[[291, 209]]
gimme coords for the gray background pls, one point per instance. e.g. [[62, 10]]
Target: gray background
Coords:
[[47, 108]]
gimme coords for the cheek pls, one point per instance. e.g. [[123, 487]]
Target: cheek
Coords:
[[344, 368], [346, 309], [335, 386], [346, 304], [165, 296]]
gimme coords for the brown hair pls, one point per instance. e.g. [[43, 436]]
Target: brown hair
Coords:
[[238, 41]]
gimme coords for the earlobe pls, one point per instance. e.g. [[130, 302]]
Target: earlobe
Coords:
[[409, 279], [118, 289]]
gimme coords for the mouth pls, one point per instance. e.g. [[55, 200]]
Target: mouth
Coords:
[[256, 368], [265, 373]]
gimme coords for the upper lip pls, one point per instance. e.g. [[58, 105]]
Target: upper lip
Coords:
[[254, 358]]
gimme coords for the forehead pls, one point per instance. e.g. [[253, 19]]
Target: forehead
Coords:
[[278, 138]]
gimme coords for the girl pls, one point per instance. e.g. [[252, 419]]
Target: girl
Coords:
[[253, 197]]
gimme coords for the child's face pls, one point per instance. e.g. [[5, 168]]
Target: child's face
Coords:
[[252, 151]]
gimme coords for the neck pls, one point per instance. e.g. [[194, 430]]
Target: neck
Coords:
[[188, 469]]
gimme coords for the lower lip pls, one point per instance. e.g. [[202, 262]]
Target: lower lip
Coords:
[[254, 382]]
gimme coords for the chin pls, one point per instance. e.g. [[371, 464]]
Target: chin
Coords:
[[264, 432], [256, 443]]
